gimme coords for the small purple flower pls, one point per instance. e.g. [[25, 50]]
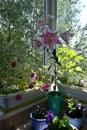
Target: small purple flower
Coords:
[[48, 119], [32, 75], [51, 113], [13, 64], [31, 86], [79, 106], [49, 116], [18, 97]]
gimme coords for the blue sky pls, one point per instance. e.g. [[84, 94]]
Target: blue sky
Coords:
[[83, 17]]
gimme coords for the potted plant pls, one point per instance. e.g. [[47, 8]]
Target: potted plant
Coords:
[[47, 40], [75, 112], [56, 123], [38, 119], [30, 86]]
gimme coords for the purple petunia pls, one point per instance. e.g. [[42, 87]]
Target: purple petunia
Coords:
[[13, 64], [31, 86], [32, 75], [18, 97], [49, 116]]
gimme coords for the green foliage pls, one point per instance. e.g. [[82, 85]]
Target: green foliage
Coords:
[[71, 104], [18, 21], [59, 124], [70, 64]]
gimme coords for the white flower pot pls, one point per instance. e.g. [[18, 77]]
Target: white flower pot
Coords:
[[9, 101]]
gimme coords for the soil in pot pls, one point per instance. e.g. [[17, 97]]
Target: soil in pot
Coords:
[[39, 114], [75, 114]]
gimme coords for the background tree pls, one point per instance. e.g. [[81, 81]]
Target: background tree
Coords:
[[18, 24]]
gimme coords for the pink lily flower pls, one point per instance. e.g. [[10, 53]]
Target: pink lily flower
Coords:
[[66, 35], [43, 21], [49, 38]]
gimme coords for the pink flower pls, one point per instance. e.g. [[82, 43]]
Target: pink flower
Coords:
[[43, 21], [66, 35], [31, 86], [49, 38], [37, 77], [13, 64], [18, 97], [45, 86]]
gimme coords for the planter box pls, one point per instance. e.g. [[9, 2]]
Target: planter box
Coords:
[[9, 101], [74, 91]]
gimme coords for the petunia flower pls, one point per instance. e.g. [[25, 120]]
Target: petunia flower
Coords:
[[51, 113], [48, 119], [31, 86], [13, 64], [49, 116], [49, 38], [37, 77], [18, 97], [44, 86], [32, 75]]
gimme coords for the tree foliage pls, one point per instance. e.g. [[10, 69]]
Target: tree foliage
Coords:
[[18, 22]]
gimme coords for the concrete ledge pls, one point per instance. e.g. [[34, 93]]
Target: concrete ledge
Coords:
[[74, 91]]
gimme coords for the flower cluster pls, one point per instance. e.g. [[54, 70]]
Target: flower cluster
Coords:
[[39, 81]]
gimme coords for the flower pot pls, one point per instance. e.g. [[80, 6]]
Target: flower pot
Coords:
[[54, 101], [75, 122], [37, 124], [12, 100]]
